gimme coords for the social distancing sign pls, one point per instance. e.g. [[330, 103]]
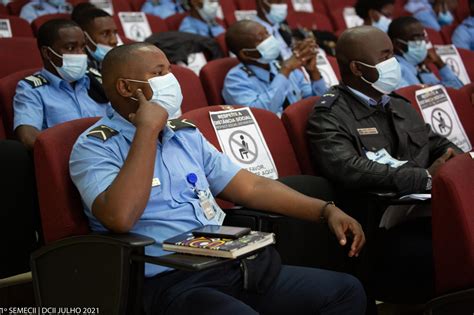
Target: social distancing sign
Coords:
[[135, 25], [450, 56], [105, 5], [438, 111], [5, 28], [302, 6], [245, 14], [351, 18], [242, 141]]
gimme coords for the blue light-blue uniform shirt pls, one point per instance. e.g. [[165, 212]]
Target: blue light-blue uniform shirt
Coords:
[[37, 8], [173, 207], [411, 76], [163, 9], [463, 36], [423, 11], [196, 26], [251, 86], [285, 50], [54, 102], [384, 100]]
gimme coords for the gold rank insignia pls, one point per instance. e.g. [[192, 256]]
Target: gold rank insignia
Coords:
[[36, 80], [102, 132], [96, 74], [177, 124]]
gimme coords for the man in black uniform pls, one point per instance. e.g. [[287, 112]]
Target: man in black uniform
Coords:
[[365, 138]]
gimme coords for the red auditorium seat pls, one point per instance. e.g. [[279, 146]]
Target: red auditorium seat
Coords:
[[272, 129], [193, 94], [467, 57], [174, 21], [220, 39], [462, 10], [468, 91], [59, 201], [295, 118], [447, 32], [434, 37], [20, 27], [309, 20], [3, 10], [465, 111], [453, 225], [157, 24], [228, 9], [121, 6], [246, 4], [331, 4], [36, 24], [337, 17], [408, 92], [14, 7], [17, 54], [333, 61], [137, 4], [212, 77], [7, 91]]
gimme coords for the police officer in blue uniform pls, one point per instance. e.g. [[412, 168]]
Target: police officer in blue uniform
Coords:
[[63, 90], [376, 13], [37, 8], [463, 36], [202, 19], [432, 16], [410, 47], [162, 8], [272, 15], [136, 172], [100, 32], [259, 80]]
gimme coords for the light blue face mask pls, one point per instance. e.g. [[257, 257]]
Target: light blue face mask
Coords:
[[389, 75], [417, 51], [383, 23], [445, 18], [57, 3], [277, 13], [269, 50], [100, 49]]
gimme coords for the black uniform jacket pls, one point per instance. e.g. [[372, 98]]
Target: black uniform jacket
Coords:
[[343, 127]]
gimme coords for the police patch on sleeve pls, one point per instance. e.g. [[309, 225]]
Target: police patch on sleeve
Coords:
[[102, 132], [36, 80], [177, 124]]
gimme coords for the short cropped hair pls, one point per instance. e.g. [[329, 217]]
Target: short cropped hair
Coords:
[[48, 33], [362, 7]]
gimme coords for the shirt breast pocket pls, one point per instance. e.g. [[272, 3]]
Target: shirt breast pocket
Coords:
[[373, 142]]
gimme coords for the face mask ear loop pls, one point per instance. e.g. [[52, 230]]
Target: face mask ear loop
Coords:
[[362, 77]]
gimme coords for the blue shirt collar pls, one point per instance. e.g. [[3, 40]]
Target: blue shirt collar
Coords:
[[127, 129], [273, 27], [368, 100], [469, 21], [262, 74], [58, 82]]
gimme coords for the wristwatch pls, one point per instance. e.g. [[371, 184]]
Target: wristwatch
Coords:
[[429, 181]]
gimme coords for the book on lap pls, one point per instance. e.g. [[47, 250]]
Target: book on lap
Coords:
[[218, 247]]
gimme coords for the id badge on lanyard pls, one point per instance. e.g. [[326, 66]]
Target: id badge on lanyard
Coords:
[[207, 202]]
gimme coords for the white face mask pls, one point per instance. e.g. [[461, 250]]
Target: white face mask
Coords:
[[389, 75], [208, 12], [166, 93], [100, 49], [277, 13], [383, 23], [74, 66], [269, 49]]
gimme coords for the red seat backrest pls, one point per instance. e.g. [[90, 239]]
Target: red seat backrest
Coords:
[[462, 11], [121, 6], [295, 119], [174, 21], [447, 32], [18, 54], [408, 92], [468, 90], [337, 18], [137, 4], [467, 57], [3, 10], [193, 94], [465, 111], [20, 27], [14, 7], [157, 24], [246, 4], [212, 77], [36, 24], [60, 204], [331, 4], [272, 129], [228, 9], [220, 39], [453, 225], [309, 20], [434, 36], [7, 92], [333, 61]]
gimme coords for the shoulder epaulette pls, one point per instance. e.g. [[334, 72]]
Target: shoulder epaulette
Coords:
[[327, 100], [36, 80], [247, 70], [96, 74], [177, 124], [102, 132]]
